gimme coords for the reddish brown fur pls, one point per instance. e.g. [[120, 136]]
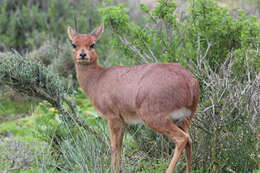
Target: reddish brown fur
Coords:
[[150, 92]]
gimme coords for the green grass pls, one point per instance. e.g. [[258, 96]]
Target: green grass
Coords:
[[18, 145], [10, 110], [20, 128]]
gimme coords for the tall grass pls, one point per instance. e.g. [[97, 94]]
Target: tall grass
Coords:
[[78, 152]]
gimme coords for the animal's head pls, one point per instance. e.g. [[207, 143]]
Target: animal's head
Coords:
[[84, 45]]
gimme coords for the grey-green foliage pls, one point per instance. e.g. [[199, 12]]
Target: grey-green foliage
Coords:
[[28, 76], [27, 24]]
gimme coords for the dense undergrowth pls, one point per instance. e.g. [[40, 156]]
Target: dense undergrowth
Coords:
[[64, 132]]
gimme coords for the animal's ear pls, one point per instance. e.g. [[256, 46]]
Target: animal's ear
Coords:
[[71, 33], [98, 31]]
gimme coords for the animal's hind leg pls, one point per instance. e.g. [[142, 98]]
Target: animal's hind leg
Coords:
[[185, 126], [167, 127]]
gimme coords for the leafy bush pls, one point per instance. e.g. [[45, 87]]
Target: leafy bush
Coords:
[[214, 26], [208, 31]]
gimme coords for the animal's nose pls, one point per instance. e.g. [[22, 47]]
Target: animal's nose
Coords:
[[82, 55]]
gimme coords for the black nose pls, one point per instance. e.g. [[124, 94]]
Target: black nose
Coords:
[[82, 55]]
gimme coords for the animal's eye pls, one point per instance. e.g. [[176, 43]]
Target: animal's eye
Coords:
[[93, 46], [74, 45]]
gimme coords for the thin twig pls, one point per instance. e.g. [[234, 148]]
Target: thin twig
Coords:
[[133, 48]]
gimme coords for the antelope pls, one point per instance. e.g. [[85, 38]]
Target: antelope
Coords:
[[163, 96]]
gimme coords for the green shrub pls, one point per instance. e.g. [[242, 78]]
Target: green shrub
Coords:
[[208, 31], [215, 25]]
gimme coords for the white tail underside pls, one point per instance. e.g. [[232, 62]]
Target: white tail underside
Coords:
[[180, 114]]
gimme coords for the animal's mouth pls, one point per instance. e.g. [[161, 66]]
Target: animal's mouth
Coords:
[[83, 61]]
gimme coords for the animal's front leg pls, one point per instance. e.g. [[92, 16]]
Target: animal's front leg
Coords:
[[116, 128]]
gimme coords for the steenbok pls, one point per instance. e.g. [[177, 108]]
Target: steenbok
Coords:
[[163, 96]]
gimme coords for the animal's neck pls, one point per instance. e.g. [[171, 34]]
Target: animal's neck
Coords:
[[88, 76]]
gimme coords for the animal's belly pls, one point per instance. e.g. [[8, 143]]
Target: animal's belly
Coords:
[[131, 118]]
